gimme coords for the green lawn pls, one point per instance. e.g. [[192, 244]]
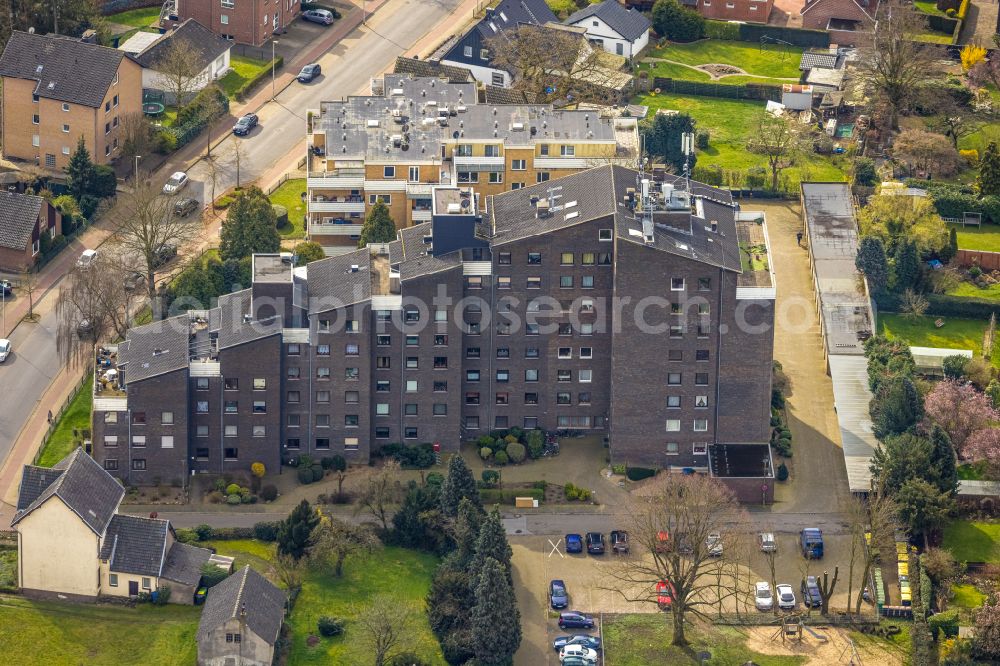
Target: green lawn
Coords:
[[774, 61], [243, 69], [289, 195], [970, 290], [669, 70], [137, 18], [972, 471], [729, 123], [77, 415], [642, 639], [8, 568], [928, 7], [41, 633], [985, 237], [405, 574], [971, 541], [967, 597], [955, 334]]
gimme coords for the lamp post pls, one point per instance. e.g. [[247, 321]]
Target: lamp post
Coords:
[[137, 158], [273, 42]]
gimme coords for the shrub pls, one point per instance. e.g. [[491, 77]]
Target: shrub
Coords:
[[420, 456], [204, 532], [500, 444], [265, 531], [485, 453], [865, 172], [507, 495], [516, 451], [485, 440], [269, 493], [166, 141], [782, 472], [280, 215], [105, 182], [945, 622], [185, 535], [501, 457], [970, 156], [407, 659], [305, 475], [212, 575], [435, 479], [701, 139], [223, 202], [330, 626], [220, 484], [535, 441], [491, 477], [233, 489], [954, 366], [618, 469], [247, 497], [317, 472], [88, 205], [335, 462], [540, 485], [722, 30], [639, 473], [233, 499], [162, 595]]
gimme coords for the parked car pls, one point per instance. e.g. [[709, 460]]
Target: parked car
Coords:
[[165, 254], [579, 652], [762, 597], [321, 16], [6, 288], [786, 597], [309, 72], [185, 207], [178, 181], [86, 258], [713, 543], [811, 543], [557, 594], [595, 543], [4, 349], [664, 595], [811, 597], [767, 543], [619, 541], [593, 642], [576, 620], [575, 661], [574, 543], [245, 124]]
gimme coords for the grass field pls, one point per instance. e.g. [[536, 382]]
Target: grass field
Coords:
[[77, 415], [405, 574], [970, 290], [967, 597], [928, 7], [137, 18], [971, 541], [289, 195], [955, 334], [972, 471], [985, 237], [773, 62], [243, 69], [8, 568], [37, 633]]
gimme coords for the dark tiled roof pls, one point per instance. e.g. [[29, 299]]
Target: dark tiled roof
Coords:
[[193, 35], [418, 68], [333, 283], [812, 59], [501, 95], [510, 13], [66, 69], [229, 321], [84, 486], [135, 545], [415, 261], [245, 592], [34, 481], [18, 216], [184, 563], [628, 23], [155, 349]]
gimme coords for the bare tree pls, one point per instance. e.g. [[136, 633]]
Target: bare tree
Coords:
[[335, 540], [288, 570], [778, 140], [672, 521], [29, 285], [873, 522], [137, 135], [179, 68], [239, 154], [895, 65], [381, 491], [145, 225], [384, 626], [927, 151], [210, 110], [213, 166]]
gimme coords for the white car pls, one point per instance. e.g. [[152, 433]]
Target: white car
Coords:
[[786, 597], [767, 543], [176, 183], [86, 258], [4, 349], [762, 598], [578, 651]]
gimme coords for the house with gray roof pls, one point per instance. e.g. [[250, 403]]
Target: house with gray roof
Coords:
[[613, 27], [241, 621], [25, 220], [73, 543]]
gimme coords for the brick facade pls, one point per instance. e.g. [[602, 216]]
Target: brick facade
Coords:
[[751, 11], [243, 21]]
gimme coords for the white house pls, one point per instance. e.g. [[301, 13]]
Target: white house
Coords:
[[149, 49], [621, 31]]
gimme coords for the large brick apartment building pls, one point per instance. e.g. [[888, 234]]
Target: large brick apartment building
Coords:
[[577, 304], [417, 132], [250, 22]]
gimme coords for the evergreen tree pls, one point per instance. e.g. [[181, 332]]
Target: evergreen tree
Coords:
[[378, 226], [662, 136], [308, 251], [993, 393], [901, 458], [872, 262], [906, 267], [80, 171], [458, 484], [495, 619], [948, 252], [295, 530], [418, 523], [492, 544], [249, 227], [989, 171], [896, 407], [467, 529], [943, 461], [923, 508], [677, 23]]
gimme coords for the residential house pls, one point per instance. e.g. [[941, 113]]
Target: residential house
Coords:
[[472, 50], [241, 621], [849, 22], [417, 68], [211, 52], [57, 90], [749, 11], [618, 30], [823, 70], [73, 544], [24, 220], [250, 22]]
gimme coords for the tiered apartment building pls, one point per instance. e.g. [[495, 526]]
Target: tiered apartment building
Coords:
[[418, 132], [601, 302]]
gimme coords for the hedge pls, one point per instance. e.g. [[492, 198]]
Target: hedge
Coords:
[[639, 473], [948, 24], [953, 200], [943, 305], [723, 30], [241, 92], [754, 32], [507, 495], [755, 91]]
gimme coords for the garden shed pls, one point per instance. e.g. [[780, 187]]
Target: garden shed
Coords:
[[930, 360]]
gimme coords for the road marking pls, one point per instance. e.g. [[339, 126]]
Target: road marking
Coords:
[[555, 547]]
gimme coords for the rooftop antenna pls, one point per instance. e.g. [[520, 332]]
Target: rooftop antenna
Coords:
[[687, 147], [551, 194]]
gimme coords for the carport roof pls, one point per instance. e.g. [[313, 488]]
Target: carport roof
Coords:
[[851, 396]]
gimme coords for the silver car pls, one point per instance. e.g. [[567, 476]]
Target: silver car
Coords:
[[322, 16], [177, 181], [4, 350]]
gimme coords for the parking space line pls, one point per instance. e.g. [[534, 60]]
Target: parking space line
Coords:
[[555, 548]]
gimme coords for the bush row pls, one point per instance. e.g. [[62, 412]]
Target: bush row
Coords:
[[507, 495], [243, 91], [757, 33], [943, 305], [263, 531], [639, 473], [954, 200], [420, 456]]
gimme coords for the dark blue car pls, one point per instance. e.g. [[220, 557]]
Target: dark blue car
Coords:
[[574, 543], [575, 620], [811, 597], [592, 642], [557, 594]]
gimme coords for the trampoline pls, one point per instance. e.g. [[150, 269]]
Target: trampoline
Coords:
[[152, 108]]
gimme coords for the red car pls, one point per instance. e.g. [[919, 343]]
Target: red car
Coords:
[[664, 595]]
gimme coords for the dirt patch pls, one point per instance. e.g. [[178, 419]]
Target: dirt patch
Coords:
[[716, 70], [836, 650]]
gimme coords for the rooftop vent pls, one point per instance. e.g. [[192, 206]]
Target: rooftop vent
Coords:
[[461, 108], [247, 319], [396, 92], [454, 208], [542, 208], [428, 239], [372, 123], [157, 351], [517, 126], [355, 268]]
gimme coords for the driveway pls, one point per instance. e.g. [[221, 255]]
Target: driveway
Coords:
[[787, 13]]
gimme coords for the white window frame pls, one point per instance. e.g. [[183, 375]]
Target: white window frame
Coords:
[[167, 442], [672, 448], [585, 375], [673, 425], [699, 448], [700, 422]]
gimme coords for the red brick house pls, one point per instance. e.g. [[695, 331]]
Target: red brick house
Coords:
[[242, 21], [749, 11], [849, 22], [24, 219]]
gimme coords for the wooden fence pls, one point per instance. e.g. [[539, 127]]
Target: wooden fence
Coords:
[[83, 384], [988, 261]]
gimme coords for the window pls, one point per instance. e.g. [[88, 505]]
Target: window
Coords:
[[351, 397], [413, 341], [504, 259], [672, 448], [472, 375], [573, 421], [230, 431], [503, 376], [389, 172], [566, 329], [472, 398], [701, 402], [564, 375], [382, 409], [411, 316], [468, 176], [291, 442], [440, 387], [565, 281], [383, 340], [439, 409], [603, 258], [383, 315], [412, 362], [410, 409], [704, 284], [167, 442], [701, 355], [516, 186], [201, 384], [107, 128], [530, 329], [699, 448], [674, 379], [440, 316], [322, 350], [534, 283], [701, 379], [440, 362], [259, 407], [34, 142], [518, 165], [107, 107], [673, 402], [139, 464], [474, 281], [381, 432], [139, 418], [111, 417], [531, 352], [351, 373], [293, 420], [411, 385], [564, 398], [414, 174], [585, 376], [232, 406], [382, 386], [496, 177], [604, 235], [541, 176], [704, 308], [65, 106], [323, 397], [322, 442], [351, 444], [531, 375], [586, 328], [201, 431], [293, 373], [503, 282], [440, 340], [675, 355], [111, 441], [564, 352], [375, 198], [294, 349], [484, 54], [587, 281], [676, 284], [703, 330], [700, 425], [113, 578], [531, 398], [567, 151], [673, 425], [224, 19], [259, 431], [350, 420], [467, 51], [231, 384], [677, 331], [497, 78], [259, 384], [351, 349], [115, 101], [472, 352], [534, 257], [34, 119]]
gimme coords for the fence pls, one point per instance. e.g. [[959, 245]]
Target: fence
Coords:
[[255, 52], [115, 6], [988, 261], [86, 381], [766, 34], [752, 91]]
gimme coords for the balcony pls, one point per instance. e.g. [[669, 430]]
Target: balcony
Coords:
[[343, 204], [421, 214], [478, 163], [328, 226]]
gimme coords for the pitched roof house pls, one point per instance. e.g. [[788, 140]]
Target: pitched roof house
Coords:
[[241, 621], [849, 22], [750, 11], [24, 219], [74, 544], [618, 30]]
